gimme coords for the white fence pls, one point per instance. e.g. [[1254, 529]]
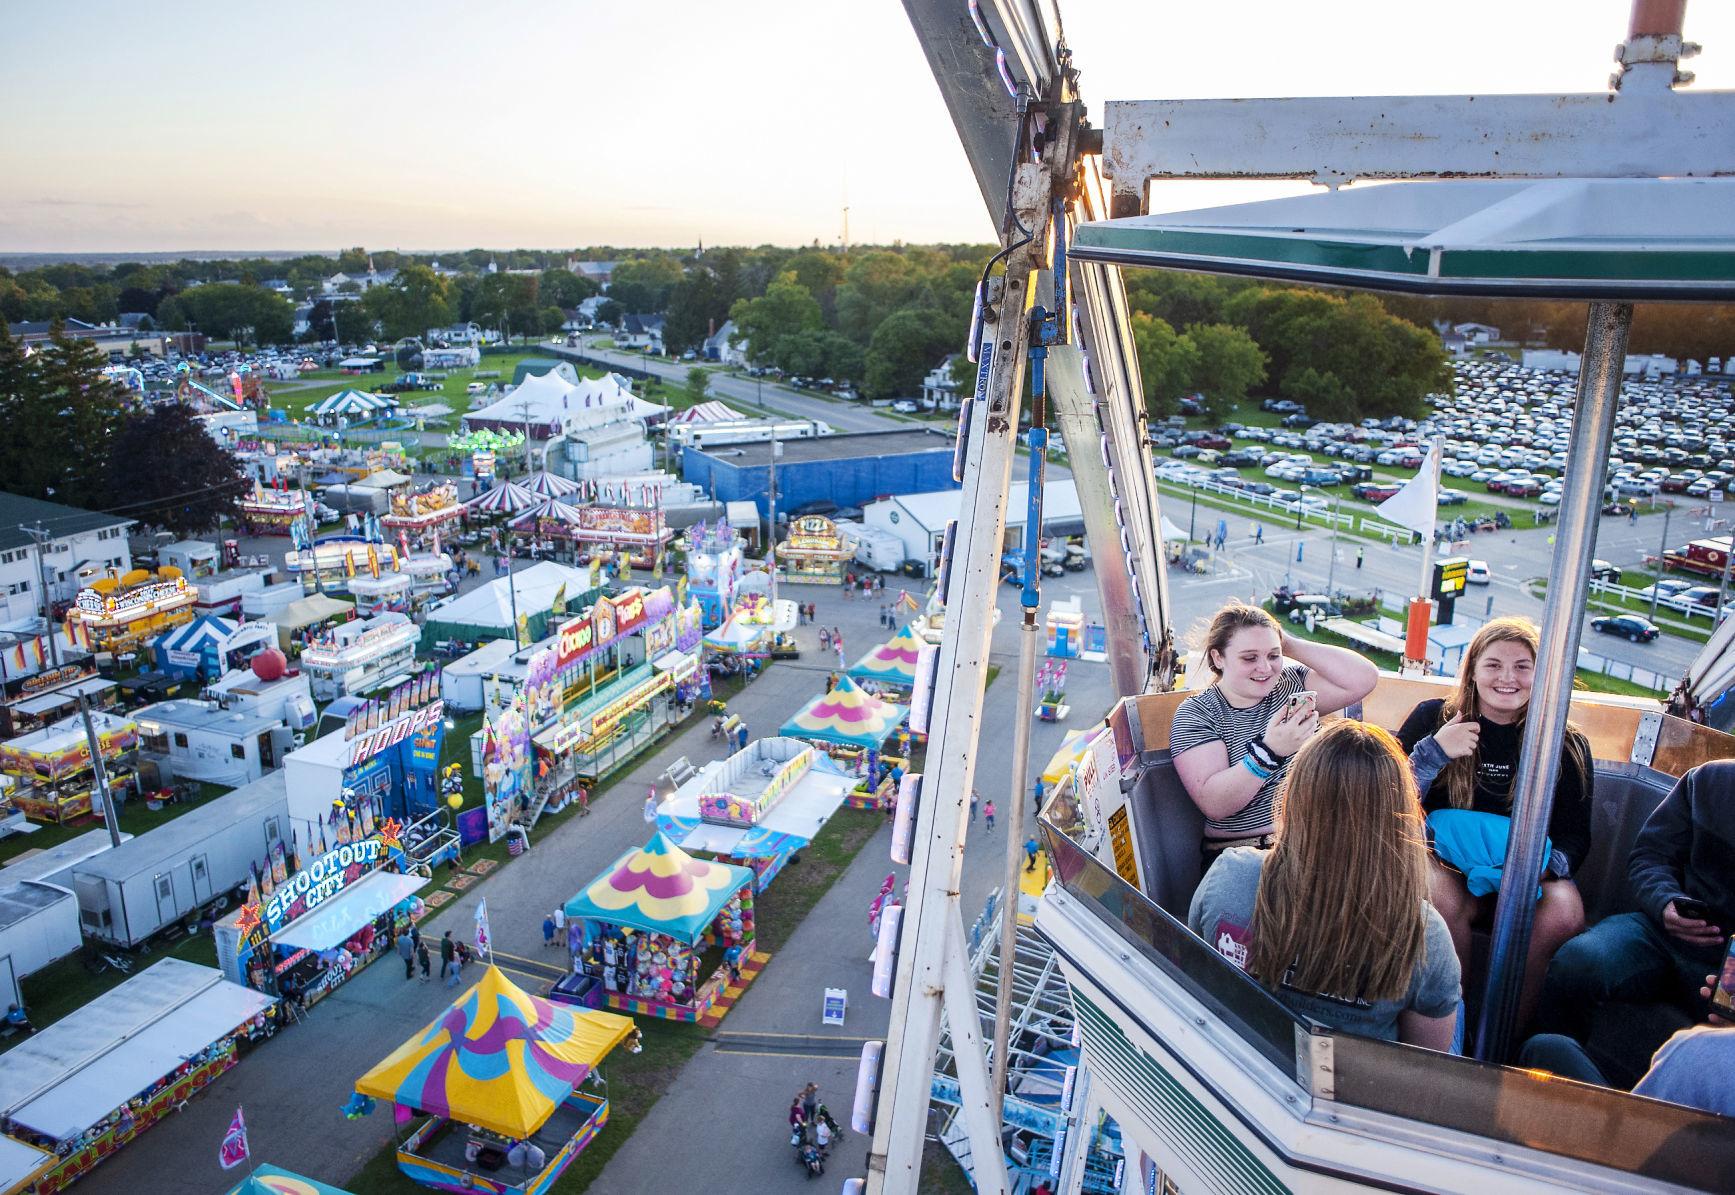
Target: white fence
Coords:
[[1259, 501], [1711, 614]]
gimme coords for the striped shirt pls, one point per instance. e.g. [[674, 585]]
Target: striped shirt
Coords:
[[1207, 717]]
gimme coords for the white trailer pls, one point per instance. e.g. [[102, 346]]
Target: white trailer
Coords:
[[127, 894]]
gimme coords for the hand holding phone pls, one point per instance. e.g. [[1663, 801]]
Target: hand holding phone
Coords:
[[1723, 991], [1694, 931]]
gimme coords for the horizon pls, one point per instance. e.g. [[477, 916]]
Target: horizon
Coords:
[[334, 127]]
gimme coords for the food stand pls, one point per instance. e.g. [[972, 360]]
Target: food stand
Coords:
[[386, 593], [355, 656], [497, 1068], [648, 935], [420, 515], [815, 553], [713, 566], [892, 663], [605, 532], [327, 564], [90, 1083], [52, 765], [852, 725], [38, 706], [758, 807], [121, 614], [272, 511]]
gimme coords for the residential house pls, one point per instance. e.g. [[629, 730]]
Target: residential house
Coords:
[[721, 346], [1477, 333], [599, 272], [939, 391], [81, 544], [641, 332]]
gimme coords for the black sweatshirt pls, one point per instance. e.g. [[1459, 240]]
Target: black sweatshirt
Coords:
[[1687, 846], [1496, 769]]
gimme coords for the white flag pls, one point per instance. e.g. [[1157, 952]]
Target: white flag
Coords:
[[482, 937], [1416, 505]]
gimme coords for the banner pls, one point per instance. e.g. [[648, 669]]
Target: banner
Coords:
[[482, 936], [234, 1150]]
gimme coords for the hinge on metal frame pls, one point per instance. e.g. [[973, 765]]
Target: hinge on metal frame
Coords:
[[1314, 1063], [1645, 738]]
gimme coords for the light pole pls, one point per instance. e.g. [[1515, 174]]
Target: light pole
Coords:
[[1656, 585], [1300, 507], [1193, 514], [771, 543], [41, 535], [1331, 570]]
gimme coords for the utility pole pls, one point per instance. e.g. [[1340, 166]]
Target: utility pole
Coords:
[[771, 542], [1331, 569], [99, 773], [41, 535], [1656, 586]]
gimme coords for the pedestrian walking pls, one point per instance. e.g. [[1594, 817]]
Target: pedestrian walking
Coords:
[[415, 934], [460, 953], [548, 931], [809, 1102], [583, 795], [559, 922], [732, 957], [407, 952], [1259, 533], [449, 948], [1633, 515], [824, 639], [1360, 553], [988, 814], [1031, 847], [797, 1121], [423, 958], [973, 799], [651, 808]]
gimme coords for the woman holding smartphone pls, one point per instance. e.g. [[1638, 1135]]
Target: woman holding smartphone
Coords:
[[1464, 753], [1232, 742]]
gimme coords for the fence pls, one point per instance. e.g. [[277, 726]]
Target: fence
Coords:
[[1712, 614], [1259, 501]]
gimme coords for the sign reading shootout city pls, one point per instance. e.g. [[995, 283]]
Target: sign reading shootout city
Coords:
[[321, 880]]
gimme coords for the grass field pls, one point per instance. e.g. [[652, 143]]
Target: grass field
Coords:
[[297, 397]]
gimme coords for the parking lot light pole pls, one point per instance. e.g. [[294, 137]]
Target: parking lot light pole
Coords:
[[1300, 507], [1331, 570], [1657, 585]]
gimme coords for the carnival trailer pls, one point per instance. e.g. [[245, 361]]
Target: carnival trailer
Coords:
[[128, 894]]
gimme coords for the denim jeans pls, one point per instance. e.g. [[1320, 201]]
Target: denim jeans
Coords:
[[1626, 958], [1560, 1055]]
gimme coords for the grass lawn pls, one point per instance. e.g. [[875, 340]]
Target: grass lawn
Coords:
[[297, 397]]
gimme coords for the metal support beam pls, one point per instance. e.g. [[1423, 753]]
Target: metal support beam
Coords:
[[1539, 760], [932, 920], [1637, 133]]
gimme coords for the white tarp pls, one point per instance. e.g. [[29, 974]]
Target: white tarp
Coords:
[[84, 1066], [19, 1162], [331, 923]]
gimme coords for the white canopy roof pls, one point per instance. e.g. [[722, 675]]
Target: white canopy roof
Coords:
[[332, 922], [490, 605], [82, 1067]]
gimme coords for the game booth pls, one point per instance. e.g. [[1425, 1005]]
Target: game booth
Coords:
[[419, 516], [852, 725], [303, 931], [55, 697], [89, 1084], [747, 634], [356, 656], [815, 553], [544, 484], [52, 769], [713, 566], [757, 808], [635, 534], [500, 1077], [272, 510], [121, 614], [648, 935], [210, 646], [326, 564], [892, 663]]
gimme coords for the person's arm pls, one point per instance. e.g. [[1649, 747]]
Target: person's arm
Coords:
[[1660, 850], [1431, 1033], [1427, 761], [1217, 787], [1340, 676]]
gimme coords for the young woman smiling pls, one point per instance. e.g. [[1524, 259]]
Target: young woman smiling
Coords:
[[1464, 753], [1232, 742]]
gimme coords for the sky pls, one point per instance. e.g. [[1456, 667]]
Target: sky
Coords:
[[560, 123]]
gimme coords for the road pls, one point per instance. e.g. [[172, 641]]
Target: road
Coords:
[[841, 415]]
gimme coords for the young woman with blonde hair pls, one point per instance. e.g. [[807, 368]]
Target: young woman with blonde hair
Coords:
[[1334, 920], [1232, 741], [1464, 753]]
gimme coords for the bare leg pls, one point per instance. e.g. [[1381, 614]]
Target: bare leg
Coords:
[[1559, 918], [1455, 904]]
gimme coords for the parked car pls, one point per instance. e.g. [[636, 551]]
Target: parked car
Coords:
[[1374, 491], [1451, 497], [1627, 626], [1602, 570], [1478, 573], [905, 406]]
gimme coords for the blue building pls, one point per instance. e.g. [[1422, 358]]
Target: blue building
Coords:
[[846, 470]]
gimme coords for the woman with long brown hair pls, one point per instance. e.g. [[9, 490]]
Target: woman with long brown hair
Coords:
[[1232, 741], [1334, 919], [1464, 753]]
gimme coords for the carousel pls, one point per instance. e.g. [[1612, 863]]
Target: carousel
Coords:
[[499, 1079]]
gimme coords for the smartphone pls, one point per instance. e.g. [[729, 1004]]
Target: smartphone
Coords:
[[1308, 697], [1723, 992], [1697, 910]]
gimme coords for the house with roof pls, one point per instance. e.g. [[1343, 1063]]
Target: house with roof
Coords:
[[108, 338], [939, 390], [641, 332], [1477, 333], [599, 272], [721, 346], [80, 545]]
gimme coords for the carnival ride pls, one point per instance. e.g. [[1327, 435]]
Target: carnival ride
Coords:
[[1607, 198]]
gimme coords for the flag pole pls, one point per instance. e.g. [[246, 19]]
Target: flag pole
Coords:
[[1421, 613]]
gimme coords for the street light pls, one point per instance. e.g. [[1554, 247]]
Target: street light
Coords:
[[1300, 507]]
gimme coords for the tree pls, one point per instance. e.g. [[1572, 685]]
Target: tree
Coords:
[[610, 312], [698, 385], [509, 302], [643, 284], [410, 304], [785, 308], [1181, 299], [563, 288], [905, 346], [174, 475], [60, 416], [697, 306], [874, 286], [1230, 363], [1168, 363], [231, 310]]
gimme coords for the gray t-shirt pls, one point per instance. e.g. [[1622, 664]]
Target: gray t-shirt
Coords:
[[1222, 914], [1207, 716]]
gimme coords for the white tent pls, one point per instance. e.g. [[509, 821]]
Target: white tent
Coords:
[[352, 403], [490, 605]]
